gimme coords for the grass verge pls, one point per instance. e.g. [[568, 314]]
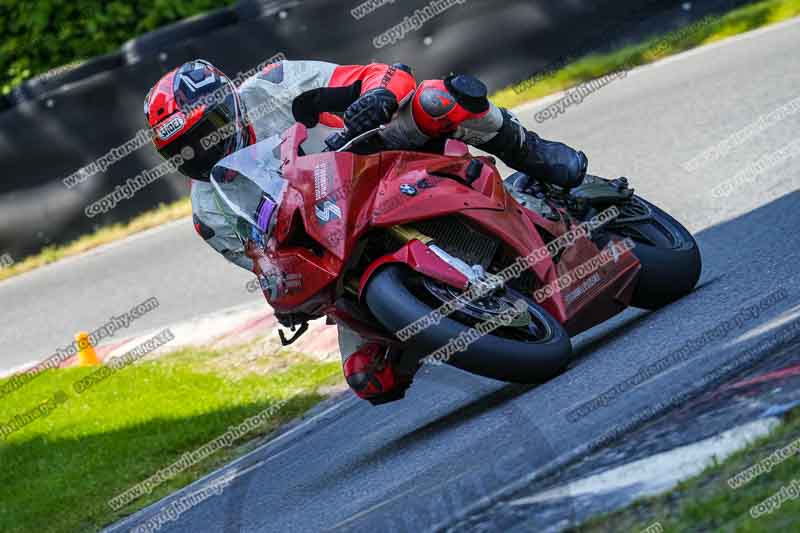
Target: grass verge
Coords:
[[587, 68], [60, 471], [162, 214], [704, 31], [706, 502]]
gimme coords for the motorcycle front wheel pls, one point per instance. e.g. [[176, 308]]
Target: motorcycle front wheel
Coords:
[[532, 349]]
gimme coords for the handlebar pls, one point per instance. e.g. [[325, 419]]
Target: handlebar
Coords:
[[344, 140]]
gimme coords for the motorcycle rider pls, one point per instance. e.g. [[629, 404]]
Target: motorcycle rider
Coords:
[[197, 100]]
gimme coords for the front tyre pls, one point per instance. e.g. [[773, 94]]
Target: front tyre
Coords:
[[520, 353]]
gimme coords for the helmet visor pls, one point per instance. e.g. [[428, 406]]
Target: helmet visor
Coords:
[[215, 136]]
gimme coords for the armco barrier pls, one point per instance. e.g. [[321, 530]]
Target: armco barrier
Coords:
[[162, 39], [56, 125], [58, 77]]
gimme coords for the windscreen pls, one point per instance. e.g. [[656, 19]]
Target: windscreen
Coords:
[[250, 187]]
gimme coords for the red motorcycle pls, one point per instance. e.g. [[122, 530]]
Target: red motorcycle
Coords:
[[381, 241]]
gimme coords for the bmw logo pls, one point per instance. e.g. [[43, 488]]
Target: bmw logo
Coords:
[[408, 190]]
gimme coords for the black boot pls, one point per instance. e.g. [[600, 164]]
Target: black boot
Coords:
[[549, 161]]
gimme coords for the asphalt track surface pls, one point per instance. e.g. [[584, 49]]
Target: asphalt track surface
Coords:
[[458, 438]]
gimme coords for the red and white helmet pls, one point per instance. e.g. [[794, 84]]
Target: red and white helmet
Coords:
[[195, 111]]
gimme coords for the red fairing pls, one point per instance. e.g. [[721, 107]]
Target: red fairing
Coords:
[[419, 257], [335, 199], [436, 111], [375, 75]]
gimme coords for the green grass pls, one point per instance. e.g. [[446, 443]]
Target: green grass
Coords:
[[702, 32], [706, 502], [59, 472]]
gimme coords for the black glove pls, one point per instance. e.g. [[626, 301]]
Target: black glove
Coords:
[[307, 107], [372, 109]]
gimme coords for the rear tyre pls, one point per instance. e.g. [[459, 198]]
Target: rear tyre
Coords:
[[398, 296], [670, 257]]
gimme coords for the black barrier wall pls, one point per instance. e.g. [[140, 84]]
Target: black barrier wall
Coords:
[[57, 124]]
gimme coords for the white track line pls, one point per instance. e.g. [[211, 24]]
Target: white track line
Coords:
[[658, 473]]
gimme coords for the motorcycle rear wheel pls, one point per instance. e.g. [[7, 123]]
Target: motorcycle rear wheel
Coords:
[[397, 297], [669, 254]]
